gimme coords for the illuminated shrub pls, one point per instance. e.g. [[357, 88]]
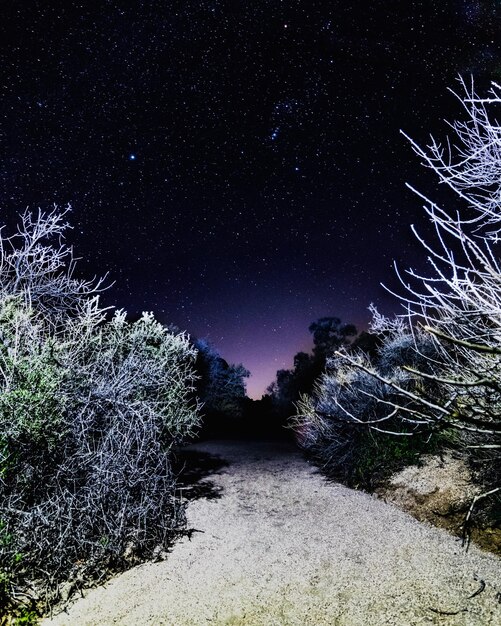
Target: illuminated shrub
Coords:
[[89, 410]]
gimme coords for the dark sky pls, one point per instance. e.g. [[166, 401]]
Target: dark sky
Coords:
[[235, 165]]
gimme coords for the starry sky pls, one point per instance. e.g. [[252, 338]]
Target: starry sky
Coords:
[[236, 166]]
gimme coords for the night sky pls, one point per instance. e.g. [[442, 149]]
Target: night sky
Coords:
[[236, 166]]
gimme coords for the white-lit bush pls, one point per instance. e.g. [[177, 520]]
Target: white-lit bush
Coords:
[[89, 409], [346, 423], [455, 383]]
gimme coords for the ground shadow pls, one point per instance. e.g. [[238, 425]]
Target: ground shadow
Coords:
[[192, 469]]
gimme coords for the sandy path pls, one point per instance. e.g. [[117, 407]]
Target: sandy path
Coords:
[[284, 547]]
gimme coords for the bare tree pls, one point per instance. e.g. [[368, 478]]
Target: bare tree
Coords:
[[459, 303], [452, 319], [39, 268], [470, 161]]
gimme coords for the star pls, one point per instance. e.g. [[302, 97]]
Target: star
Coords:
[[132, 157]]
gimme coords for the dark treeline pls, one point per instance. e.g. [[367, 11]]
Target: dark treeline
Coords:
[[226, 410], [220, 389], [329, 334]]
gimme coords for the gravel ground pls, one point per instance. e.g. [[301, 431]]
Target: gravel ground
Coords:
[[282, 546]]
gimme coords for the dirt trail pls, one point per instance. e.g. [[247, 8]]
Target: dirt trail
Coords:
[[282, 546]]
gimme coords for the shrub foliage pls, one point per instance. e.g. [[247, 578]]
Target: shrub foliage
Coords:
[[345, 423], [90, 406], [439, 368]]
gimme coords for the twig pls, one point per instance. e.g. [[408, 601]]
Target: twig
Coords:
[[466, 539], [479, 590], [440, 612]]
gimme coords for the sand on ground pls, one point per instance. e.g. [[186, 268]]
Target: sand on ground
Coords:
[[282, 546]]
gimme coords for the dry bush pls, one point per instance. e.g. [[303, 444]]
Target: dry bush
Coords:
[[89, 410], [457, 306], [346, 423]]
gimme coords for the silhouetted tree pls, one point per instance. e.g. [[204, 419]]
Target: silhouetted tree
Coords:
[[220, 388], [329, 334], [368, 343], [261, 420]]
